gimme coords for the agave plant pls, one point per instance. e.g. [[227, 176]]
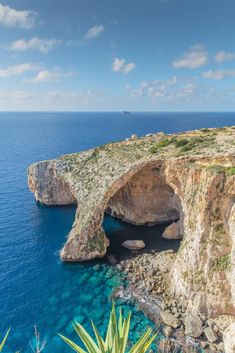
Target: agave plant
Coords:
[[116, 337], [4, 341]]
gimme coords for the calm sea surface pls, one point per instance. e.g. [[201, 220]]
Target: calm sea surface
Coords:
[[35, 287]]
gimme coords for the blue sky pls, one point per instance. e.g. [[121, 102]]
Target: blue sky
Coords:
[[117, 55]]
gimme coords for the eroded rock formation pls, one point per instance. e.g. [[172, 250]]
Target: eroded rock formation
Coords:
[[146, 199], [187, 177]]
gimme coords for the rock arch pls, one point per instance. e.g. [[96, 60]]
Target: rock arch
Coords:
[[199, 276], [87, 239], [146, 199]]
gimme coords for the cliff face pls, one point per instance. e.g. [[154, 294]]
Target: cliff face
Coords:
[[146, 199], [188, 177]]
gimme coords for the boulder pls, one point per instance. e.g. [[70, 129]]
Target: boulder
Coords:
[[167, 331], [172, 231], [169, 319], [210, 334], [220, 347], [229, 339], [112, 259], [193, 326], [204, 344], [133, 244]]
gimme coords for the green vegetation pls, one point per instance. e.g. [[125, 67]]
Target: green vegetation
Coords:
[[219, 229], [181, 142], [116, 340], [162, 143], [4, 341], [223, 263], [204, 130], [217, 168], [231, 171], [185, 144], [116, 337]]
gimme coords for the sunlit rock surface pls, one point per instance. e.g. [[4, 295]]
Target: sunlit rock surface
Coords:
[[187, 177]]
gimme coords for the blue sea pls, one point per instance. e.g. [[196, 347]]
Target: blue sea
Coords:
[[35, 287]]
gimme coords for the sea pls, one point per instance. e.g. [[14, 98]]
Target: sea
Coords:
[[36, 288]]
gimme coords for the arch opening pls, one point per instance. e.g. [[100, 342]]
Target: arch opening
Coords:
[[145, 208]]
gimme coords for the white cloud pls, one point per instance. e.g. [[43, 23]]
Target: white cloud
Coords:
[[219, 74], [42, 45], [120, 65], [94, 32], [15, 18], [17, 70], [54, 99], [54, 75], [181, 96], [222, 56], [195, 57], [154, 89]]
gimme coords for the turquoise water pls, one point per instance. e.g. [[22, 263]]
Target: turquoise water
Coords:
[[35, 287], [118, 231]]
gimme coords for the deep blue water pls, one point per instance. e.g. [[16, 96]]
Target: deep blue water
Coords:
[[35, 287]]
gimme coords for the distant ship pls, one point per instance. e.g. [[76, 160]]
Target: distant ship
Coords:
[[125, 112]]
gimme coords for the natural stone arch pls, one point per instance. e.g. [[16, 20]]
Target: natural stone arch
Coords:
[[146, 199], [198, 276], [87, 239]]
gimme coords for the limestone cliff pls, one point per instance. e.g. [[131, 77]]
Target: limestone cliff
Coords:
[[187, 177]]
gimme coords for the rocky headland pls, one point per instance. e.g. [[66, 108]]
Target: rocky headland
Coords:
[[187, 179]]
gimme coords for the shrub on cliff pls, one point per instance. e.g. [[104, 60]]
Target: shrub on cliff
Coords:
[[182, 142], [217, 168], [116, 337], [162, 143]]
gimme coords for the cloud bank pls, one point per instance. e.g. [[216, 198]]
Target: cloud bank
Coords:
[[194, 58], [15, 18], [16, 70], [41, 45], [222, 56]]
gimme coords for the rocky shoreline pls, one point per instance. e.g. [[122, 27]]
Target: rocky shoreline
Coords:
[[187, 178], [148, 278]]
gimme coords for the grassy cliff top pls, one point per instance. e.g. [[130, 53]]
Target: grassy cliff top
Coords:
[[198, 144]]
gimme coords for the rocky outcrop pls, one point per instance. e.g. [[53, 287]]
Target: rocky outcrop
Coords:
[[188, 178], [193, 326], [146, 199], [46, 181], [210, 334], [229, 339], [173, 231], [133, 244], [169, 319]]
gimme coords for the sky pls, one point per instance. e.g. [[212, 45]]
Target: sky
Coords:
[[114, 55]]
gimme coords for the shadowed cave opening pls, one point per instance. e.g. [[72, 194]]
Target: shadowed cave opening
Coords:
[[118, 231], [143, 209]]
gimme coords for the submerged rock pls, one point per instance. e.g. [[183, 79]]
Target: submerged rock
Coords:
[[112, 259], [133, 244]]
